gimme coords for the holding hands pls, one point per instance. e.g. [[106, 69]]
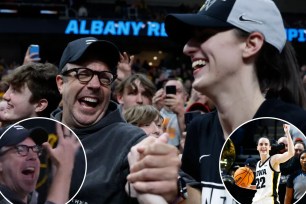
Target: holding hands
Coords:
[[154, 167]]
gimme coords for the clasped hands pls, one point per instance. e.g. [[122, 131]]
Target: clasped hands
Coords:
[[154, 167]]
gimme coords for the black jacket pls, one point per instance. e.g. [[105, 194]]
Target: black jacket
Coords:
[[205, 140]]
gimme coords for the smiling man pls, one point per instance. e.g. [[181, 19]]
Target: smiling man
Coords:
[[88, 67], [19, 167], [20, 149], [32, 92], [136, 89]]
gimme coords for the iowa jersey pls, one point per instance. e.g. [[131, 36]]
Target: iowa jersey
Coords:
[[267, 180]]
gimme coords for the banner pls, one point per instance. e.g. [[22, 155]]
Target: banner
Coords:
[[102, 28]]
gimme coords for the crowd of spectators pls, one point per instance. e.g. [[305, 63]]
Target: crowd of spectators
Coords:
[[178, 69]]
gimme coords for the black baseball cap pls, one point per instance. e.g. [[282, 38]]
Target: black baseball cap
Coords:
[[101, 49], [257, 15], [17, 133]]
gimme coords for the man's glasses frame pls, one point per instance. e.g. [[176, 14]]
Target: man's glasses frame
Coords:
[[23, 150], [84, 75]]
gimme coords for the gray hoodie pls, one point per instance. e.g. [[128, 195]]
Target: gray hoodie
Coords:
[[107, 144]]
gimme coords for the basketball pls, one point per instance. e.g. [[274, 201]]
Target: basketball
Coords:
[[243, 177]]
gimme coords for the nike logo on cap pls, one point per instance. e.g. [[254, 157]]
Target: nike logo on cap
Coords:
[[244, 18], [90, 41]]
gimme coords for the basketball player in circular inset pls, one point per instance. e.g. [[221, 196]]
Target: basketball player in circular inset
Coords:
[[268, 170]]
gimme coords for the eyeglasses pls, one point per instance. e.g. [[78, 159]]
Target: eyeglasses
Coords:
[[84, 75], [23, 150]]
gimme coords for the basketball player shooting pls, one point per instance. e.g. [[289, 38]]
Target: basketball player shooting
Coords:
[[268, 170]]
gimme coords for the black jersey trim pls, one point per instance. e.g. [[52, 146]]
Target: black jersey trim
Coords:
[[212, 185]]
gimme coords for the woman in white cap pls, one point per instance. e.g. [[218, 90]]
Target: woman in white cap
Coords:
[[242, 62]]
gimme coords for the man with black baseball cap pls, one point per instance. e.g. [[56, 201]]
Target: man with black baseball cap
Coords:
[[20, 149], [87, 70], [79, 49], [19, 158]]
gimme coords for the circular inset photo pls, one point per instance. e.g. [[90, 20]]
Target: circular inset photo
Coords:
[[264, 161], [37, 160]]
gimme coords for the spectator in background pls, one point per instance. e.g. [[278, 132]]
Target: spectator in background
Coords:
[[3, 105], [283, 140], [32, 92], [198, 99], [296, 184], [291, 166], [294, 164], [147, 117], [137, 89], [172, 108], [87, 69], [31, 57], [286, 167], [299, 146]]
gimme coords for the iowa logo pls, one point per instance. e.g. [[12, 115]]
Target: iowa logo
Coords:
[[208, 3]]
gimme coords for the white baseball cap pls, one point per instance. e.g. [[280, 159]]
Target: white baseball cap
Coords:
[[249, 15]]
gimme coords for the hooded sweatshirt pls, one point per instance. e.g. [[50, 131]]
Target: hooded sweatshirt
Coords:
[[107, 144]]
